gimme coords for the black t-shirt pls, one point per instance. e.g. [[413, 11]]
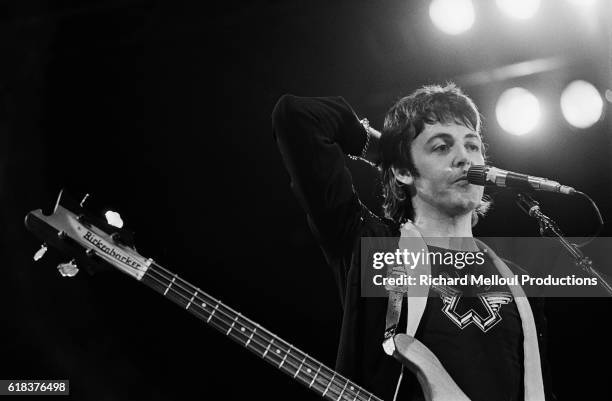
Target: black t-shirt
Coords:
[[475, 331]]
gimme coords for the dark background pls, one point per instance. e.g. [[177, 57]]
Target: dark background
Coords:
[[161, 110]]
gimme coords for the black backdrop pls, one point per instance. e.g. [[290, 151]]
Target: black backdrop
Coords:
[[160, 110]]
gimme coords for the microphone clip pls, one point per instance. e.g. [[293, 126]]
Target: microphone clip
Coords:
[[531, 207]]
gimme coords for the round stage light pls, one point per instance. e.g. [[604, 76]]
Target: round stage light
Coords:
[[520, 9], [581, 104], [452, 16], [517, 111]]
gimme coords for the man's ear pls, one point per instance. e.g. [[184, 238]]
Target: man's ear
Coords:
[[403, 175]]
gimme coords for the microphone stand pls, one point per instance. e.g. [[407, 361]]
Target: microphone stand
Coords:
[[548, 228]]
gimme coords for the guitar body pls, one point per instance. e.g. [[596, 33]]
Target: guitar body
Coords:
[[435, 381]]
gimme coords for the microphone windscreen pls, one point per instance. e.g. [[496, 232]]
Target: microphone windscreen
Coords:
[[477, 175]]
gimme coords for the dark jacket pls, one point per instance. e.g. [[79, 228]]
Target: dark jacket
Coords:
[[314, 135]]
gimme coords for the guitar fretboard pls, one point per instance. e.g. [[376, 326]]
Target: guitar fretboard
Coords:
[[308, 371]]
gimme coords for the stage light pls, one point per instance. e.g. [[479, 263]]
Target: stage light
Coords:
[[520, 9], [581, 104], [452, 16], [517, 111], [114, 219]]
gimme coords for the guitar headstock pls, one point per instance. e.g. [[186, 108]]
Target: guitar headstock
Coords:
[[89, 241]]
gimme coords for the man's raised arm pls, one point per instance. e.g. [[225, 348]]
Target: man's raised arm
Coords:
[[313, 135]]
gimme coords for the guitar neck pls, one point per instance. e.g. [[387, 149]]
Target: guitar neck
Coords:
[[306, 370], [79, 236]]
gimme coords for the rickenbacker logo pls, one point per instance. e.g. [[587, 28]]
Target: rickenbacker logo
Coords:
[[116, 254]]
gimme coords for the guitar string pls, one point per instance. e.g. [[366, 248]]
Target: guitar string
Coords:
[[232, 320], [254, 331], [319, 374], [328, 388]]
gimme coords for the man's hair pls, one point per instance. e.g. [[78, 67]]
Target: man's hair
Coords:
[[403, 122]]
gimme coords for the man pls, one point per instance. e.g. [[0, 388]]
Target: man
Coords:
[[429, 141]]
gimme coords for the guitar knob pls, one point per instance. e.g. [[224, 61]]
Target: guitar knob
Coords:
[[68, 269], [40, 253]]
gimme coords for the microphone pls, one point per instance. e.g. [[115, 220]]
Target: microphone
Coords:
[[493, 176]]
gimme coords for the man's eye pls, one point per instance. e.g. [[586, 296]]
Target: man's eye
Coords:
[[473, 147], [441, 148]]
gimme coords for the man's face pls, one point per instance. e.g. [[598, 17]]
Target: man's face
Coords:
[[442, 155]]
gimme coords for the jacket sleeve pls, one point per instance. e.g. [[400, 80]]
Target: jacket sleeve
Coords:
[[313, 136]]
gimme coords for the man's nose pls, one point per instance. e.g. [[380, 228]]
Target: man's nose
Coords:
[[461, 158]]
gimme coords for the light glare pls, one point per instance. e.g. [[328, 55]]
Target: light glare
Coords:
[[452, 16], [581, 104], [520, 9], [585, 3], [517, 111], [114, 219]]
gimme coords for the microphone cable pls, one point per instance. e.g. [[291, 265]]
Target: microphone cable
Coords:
[[599, 219]]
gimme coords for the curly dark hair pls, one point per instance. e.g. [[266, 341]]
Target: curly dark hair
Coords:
[[403, 122]]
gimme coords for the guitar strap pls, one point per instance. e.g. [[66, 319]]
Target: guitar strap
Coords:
[[412, 241]]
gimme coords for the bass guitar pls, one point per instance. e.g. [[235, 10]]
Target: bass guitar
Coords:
[[97, 245]]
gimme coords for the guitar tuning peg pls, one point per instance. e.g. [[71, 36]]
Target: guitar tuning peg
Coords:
[[113, 218], [40, 253], [68, 269], [83, 200]]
